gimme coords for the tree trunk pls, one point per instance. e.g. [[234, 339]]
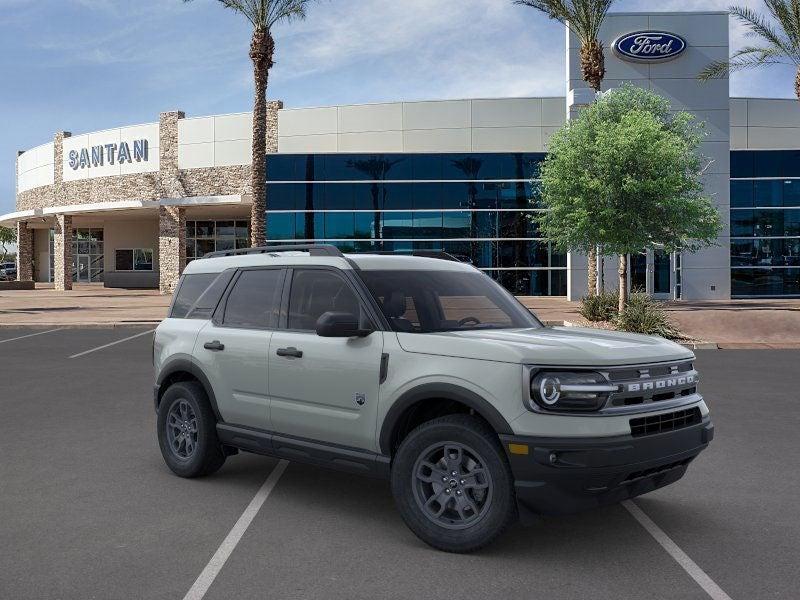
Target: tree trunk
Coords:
[[797, 84], [623, 282], [262, 48], [593, 64], [593, 70]]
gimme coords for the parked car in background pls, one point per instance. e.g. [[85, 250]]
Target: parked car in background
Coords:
[[8, 271]]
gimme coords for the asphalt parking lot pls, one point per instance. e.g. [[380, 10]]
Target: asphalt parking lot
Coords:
[[88, 509]]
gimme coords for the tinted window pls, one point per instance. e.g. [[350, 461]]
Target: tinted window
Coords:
[[431, 301], [254, 300], [204, 307], [315, 292], [189, 291]]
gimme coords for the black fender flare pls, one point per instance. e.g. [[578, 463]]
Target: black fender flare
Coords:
[[447, 391], [186, 365]]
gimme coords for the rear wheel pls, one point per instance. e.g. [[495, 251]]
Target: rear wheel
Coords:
[[187, 432], [453, 485]]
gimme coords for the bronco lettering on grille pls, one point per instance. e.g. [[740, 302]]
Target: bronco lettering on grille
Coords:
[[661, 384]]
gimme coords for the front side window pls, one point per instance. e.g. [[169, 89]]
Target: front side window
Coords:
[[317, 291], [436, 301], [254, 300]]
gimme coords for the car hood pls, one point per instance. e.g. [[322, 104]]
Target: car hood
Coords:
[[573, 346]]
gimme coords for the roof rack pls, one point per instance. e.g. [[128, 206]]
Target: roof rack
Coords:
[[312, 249], [440, 254]]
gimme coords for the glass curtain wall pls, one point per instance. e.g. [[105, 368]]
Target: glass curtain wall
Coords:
[[765, 223], [475, 206]]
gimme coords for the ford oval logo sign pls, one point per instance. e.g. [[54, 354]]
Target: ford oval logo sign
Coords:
[[649, 46]]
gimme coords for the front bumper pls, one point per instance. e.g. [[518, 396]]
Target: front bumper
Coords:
[[567, 475]]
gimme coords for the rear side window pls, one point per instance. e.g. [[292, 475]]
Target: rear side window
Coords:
[[254, 301], [189, 291]]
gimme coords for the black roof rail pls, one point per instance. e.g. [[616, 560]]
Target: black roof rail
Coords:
[[440, 254], [312, 249]]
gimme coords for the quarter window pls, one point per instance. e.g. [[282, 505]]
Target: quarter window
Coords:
[[189, 291], [254, 300]]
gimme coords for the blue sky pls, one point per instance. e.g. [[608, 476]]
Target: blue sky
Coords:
[[84, 65]]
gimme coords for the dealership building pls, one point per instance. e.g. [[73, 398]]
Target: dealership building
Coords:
[[130, 206]]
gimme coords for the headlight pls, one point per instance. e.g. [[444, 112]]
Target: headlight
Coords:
[[571, 391]]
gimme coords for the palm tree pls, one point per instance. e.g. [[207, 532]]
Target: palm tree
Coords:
[[584, 19], [263, 15], [780, 41]]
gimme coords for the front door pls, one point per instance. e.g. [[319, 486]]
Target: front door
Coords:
[[324, 389], [662, 273], [232, 348], [83, 269]]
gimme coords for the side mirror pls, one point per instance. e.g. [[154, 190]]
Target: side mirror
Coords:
[[339, 324]]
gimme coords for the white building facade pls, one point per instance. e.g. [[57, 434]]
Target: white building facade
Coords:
[[128, 207]]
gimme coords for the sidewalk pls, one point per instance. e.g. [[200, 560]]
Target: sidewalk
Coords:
[[86, 305], [731, 324]]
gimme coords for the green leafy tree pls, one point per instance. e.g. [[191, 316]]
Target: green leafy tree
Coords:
[[778, 40], [8, 236], [263, 15], [626, 175], [584, 19]]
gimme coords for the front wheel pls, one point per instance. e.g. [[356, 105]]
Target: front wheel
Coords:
[[452, 484], [187, 431]]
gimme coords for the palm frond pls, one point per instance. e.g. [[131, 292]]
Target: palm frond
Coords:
[[746, 58], [263, 14], [583, 17], [786, 14], [759, 26]]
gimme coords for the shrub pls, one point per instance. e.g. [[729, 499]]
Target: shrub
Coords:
[[601, 307], [645, 315]]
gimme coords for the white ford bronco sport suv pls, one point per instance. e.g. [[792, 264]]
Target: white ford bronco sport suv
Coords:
[[424, 371]]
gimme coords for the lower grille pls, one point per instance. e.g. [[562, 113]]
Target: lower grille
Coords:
[[637, 475], [665, 422]]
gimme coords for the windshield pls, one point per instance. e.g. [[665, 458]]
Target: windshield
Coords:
[[435, 301]]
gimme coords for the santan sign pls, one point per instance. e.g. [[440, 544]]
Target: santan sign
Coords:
[[97, 156], [649, 46]]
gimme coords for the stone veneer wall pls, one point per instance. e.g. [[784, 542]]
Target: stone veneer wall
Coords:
[[24, 252], [171, 246], [62, 250]]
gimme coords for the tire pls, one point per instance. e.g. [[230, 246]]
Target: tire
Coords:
[[486, 504], [200, 453]]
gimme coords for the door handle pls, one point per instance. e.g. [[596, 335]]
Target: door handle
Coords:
[[291, 351], [215, 345]]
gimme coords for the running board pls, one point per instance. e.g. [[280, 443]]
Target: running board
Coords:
[[340, 458]]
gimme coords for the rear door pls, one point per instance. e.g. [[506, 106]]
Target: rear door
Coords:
[[232, 348], [324, 389]]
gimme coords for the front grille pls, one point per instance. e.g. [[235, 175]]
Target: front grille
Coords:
[[652, 383], [654, 424]]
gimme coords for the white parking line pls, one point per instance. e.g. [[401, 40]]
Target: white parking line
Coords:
[[694, 571], [111, 344], [214, 566], [22, 337]]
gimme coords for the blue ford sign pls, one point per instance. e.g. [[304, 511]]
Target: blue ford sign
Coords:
[[649, 46]]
